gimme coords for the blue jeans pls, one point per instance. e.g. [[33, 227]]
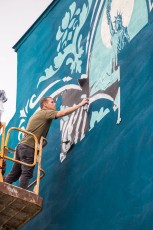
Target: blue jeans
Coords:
[[25, 154]]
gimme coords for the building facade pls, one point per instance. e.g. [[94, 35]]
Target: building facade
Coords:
[[98, 161]]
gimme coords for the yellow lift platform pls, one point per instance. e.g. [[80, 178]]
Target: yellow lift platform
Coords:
[[17, 205]]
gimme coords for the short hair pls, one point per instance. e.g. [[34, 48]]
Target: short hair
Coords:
[[43, 100]]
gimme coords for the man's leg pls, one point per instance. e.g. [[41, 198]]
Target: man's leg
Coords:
[[15, 171], [27, 156]]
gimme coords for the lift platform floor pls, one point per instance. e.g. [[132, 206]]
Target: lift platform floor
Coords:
[[17, 206]]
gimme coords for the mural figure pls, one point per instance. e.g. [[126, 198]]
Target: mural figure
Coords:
[[119, 33], [107, 85]]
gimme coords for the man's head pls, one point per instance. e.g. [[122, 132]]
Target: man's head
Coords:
[[47, 103]]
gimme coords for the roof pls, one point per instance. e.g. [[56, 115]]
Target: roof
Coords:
[[34, 25]]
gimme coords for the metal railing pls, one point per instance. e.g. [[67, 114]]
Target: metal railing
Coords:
[[13, 150], [2, 128], [37, 154]]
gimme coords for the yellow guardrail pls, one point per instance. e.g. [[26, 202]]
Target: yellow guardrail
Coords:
[[7, 148], [2, 127], [37, 154], [35, 181]]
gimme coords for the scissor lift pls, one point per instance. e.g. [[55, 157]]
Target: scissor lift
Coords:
[[17, 205]]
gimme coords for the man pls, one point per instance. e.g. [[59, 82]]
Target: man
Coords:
[[39, 125]]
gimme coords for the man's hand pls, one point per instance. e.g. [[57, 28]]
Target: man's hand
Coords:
[[84, 101]]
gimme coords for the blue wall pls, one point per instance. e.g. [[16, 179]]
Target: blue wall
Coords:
[[105, 182]]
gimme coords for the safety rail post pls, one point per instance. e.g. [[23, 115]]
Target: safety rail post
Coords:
[[43, 143], [39, 157], [2, 125], [35, 181]]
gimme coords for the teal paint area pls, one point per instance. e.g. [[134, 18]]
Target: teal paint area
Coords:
[[106, 181]]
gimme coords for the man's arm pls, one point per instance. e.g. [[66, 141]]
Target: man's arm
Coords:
[[70, 110]]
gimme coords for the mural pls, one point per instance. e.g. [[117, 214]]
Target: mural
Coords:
[[69, 50], [74, 58]]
